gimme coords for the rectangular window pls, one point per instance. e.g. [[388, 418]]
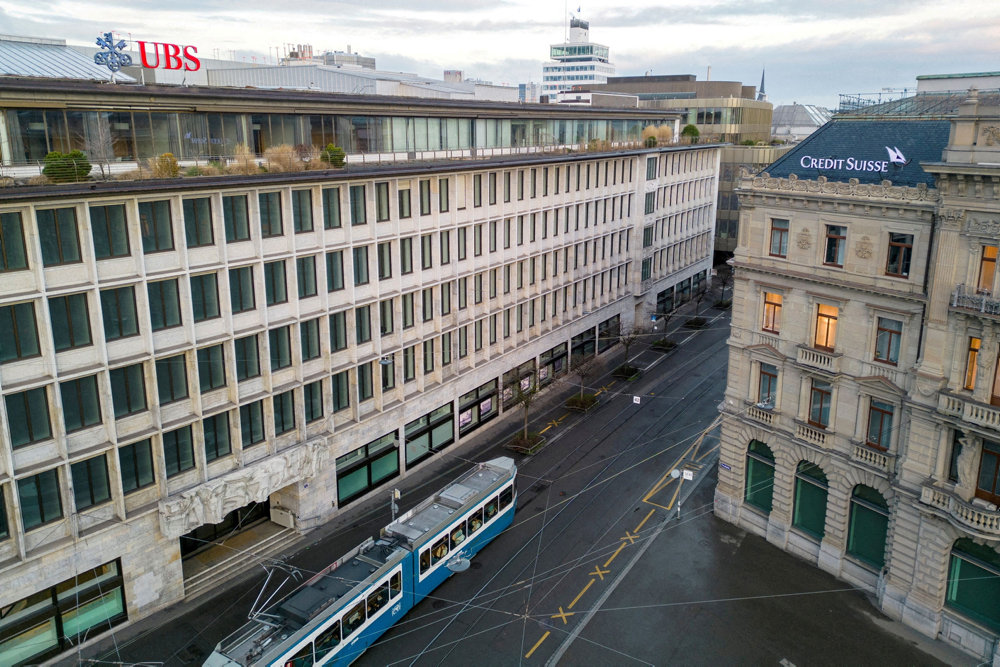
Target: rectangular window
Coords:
[[312, 394], [309, 339], [887, 340], [338, 332], [767, 387], [275, 285], [650, 168], [305, 276], [157, 230], [446, 348], [91, 486], [198, 222], [252, 424], [385, 317], [280, 347], [388, 366], [492, 187], [425, 197], [971, 361], [477, 190], [406, 255], [128, 390], [772, 312], [40, 500], [427, 303], [241, 292], [477, 240], [987, 269], [443, 195], [178, 451], [204, 297], [331, 208], [341, 391], [235, 218], [384, 251], [826, 327], [403, 195], [18, 332], [359, 215], [270, 214], [408, 310], [362, 324], [247, 356], [302, 211], [164, 304], [57, 234], [409, 363], [360, 256], [426, 251], [779, 238], [284, 412], [70, 321], [12, 252], [365, 389], [135, 462], [334, 270], [445, 245], [28, 417], [216, 431], [650, 204], [171, 379], [879, 425], [81, 407], [819, 403], [211, 368], [110, 231], [428, 356], [836, 244], [900, 250]]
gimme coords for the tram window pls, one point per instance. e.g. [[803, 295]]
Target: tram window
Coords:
[[302, 658], [476, 521], [491, 508], [439, 550], [458, 535], [425, 560], [506, 497], [378, 599], [395, 584], [354, 618], [328, 640]]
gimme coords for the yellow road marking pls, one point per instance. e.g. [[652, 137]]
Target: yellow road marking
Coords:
[[666, 479], [580, 594], [546, 428], [615, 554], [707, 452], [599, 572], [643, 522], [538, 643], [629, 537], [563, 615]]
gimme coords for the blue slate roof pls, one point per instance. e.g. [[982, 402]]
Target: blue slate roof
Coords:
[[859, 148]]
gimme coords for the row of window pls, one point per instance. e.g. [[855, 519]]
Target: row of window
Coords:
[[898, 256], [678, 194]]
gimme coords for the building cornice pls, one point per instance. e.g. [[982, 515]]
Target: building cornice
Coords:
[[839, 193], [828, 281]]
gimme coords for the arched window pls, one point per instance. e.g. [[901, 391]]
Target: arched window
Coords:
[[809, 512], [974, 582], [868, 525], [760, 476]]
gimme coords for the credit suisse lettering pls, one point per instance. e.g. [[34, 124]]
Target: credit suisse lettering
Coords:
[[174, 56], [848, 164]]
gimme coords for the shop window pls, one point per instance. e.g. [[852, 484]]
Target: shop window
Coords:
[[759, 483], [809, 511], [868, 526], [974, 582], [367, 467]]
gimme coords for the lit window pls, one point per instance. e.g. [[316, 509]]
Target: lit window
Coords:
[[826, 326], [772, 312]]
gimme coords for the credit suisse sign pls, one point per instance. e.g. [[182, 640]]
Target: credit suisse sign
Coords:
[[153, 55], [854, 164]]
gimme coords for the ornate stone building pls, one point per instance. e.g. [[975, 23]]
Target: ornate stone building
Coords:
[[861, 426]]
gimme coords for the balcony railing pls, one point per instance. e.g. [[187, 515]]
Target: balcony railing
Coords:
[[810, 356], [761, 415], [980, 301], [811, 435], [970, 411], [872, 457], [982, 522]]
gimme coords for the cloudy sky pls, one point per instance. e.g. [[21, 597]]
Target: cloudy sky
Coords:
[[812, 50]]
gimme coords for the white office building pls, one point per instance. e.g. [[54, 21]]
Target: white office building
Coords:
[[577, 62]]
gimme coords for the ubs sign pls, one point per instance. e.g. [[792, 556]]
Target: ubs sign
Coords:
[[152, 54]]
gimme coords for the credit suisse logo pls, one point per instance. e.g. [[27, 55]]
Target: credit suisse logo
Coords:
[[154, 55], [855, 164]]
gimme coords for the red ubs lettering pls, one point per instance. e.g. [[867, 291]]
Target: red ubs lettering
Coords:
[[174, 56]]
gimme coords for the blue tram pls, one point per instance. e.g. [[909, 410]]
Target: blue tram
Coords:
[[338, 613]]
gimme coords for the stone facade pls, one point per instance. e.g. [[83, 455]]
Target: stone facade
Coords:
[[886, 401]]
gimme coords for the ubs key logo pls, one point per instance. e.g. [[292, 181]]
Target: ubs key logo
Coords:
[[113, 57]]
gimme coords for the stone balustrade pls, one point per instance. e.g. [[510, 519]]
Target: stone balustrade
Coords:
[[761, 415], [871, 457], [827, 361], [812, 435], [982, 522]]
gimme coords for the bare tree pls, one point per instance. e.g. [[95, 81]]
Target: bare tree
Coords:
[[629, 337], [725, 279], [97, 142], [585, 366], [700, 296], [524, 398]]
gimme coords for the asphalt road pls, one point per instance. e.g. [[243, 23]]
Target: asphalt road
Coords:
[[598, 567]]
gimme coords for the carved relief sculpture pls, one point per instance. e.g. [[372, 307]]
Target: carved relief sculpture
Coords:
[[864, 248], [803, 240]]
